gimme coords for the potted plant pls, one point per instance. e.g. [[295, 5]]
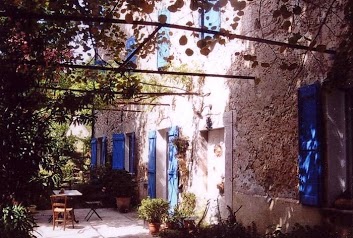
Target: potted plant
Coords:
[[121, 185], [154, 211]]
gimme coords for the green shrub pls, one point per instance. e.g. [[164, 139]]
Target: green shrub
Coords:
[[153, 210], [187, 205], [16, 222]]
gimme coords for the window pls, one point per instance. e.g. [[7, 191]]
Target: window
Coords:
[[163, 42], [210, 18], [98, 151], [124, 152], [325, 144], [130, 46], [339, 141]]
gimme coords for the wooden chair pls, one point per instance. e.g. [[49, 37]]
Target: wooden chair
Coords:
[[61, 212]]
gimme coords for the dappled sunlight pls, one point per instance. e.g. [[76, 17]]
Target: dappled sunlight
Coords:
[[114, 224], [285, 213]]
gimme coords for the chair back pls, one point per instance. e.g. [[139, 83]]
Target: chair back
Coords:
[[58, 201]]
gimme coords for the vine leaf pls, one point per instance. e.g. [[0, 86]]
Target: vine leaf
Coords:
[[286, 25], [162, 19], [129, 18], [183, 40], [189, 52], [284, 12], [297, 10]]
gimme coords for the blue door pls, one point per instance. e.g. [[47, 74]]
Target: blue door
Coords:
[[310, 145], [152, 164], [172, 168]]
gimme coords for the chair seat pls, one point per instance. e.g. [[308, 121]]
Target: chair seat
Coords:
[[93, 205], [58, 209]]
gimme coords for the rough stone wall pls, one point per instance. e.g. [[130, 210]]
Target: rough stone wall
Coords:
[[265, 127]]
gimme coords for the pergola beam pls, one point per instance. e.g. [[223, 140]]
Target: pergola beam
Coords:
[[141, 103], [85, 19], [98, 91], [146, 71]]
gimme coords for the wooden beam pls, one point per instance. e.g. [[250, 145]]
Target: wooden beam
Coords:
[[145, 71], [98, 91], [141, 103], [86, 19]]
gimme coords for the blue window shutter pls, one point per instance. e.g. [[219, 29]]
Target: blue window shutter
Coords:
[[152, 164], [104, 150], [118, 151], [310, 146], [93, 152], [172, 168], [211, 20], [130, 47], [132, 167], [163, 41]]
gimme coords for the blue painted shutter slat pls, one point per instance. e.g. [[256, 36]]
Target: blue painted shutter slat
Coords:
[[172, 168], [310, 147], [152, 164], [132, 153], [130, 47], [118, 151], [163, 41], [93, 152], [104, 150], [212, 20]]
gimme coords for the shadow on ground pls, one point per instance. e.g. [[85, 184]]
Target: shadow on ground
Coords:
[[114, 224]]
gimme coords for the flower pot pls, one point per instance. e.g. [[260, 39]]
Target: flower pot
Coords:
[[154, 228], [32, 208], [123, 204]]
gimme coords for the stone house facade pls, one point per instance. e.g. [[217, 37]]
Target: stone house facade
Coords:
[[278, 144]]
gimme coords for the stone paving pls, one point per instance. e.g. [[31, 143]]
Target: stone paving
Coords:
[[114, 224]]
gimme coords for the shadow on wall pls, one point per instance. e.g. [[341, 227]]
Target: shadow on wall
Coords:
[[269, 214]]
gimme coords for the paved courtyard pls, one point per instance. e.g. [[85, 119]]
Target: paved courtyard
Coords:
[[114, 224]]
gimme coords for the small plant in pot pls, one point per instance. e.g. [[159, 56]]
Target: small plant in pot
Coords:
[[121, 185], [154, 211]]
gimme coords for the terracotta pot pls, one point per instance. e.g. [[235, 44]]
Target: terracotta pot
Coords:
[[123, 204], [32, 208], [154, 228]]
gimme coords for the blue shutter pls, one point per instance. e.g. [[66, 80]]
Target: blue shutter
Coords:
[[211, 20], [152, 164], [104, 150], [118, 151], [310, 146], [93, 152], [172, 168], [130, 47], [163, 41], [132, 153], [100, 62]]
